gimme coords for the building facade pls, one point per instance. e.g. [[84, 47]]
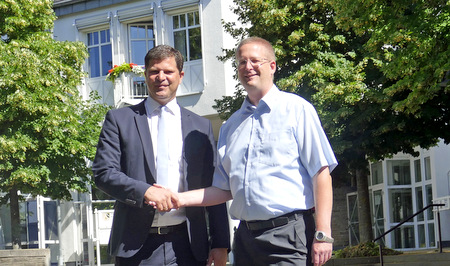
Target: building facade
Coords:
[[117, 32], [401, 186]]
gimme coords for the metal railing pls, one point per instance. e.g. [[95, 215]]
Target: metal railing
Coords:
[[407, 219]]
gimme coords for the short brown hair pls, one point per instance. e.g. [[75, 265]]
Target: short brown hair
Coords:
[[162, 52]]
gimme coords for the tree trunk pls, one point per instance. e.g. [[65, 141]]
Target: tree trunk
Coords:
[[364, 217], [15, 218]]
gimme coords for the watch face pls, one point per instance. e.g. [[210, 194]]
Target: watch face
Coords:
[[319, 235]]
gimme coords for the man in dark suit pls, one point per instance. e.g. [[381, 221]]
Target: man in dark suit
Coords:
[[129, 161]]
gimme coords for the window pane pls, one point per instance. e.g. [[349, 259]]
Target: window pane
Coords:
[[429, 197], [92, 38], [141, 40], [399, 172], [138, 51], [94, 62], [197, 18], [352, 206], [431, 236], [176, 22], [417, 171], [427, 168], [191, 19], [180, 42], [403, 237], [377, 173], [378, 212], [133, 31], [32, 222], [141, 30], [137, 32], [195, 44], [106, 59], [421, 232], [401, 202], [104, 36], [182, 20], [51, 220], [100, 53], [419, 202]]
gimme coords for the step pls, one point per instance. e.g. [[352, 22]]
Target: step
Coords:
[[416, 259]]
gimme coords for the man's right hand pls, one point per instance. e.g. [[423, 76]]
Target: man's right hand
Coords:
[[161, 198]]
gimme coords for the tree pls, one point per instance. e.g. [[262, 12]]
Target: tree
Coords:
[[47, 132], [319, 62], [331, 66], [409, 41]]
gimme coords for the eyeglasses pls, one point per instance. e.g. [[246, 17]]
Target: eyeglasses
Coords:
[[254, 62]]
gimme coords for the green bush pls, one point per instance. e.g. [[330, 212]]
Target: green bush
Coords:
[[368, 249]]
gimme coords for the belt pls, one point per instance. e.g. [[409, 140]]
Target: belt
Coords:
[[163, 230], [276, 222]]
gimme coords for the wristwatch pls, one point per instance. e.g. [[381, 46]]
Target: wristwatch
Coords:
[[322, 237]]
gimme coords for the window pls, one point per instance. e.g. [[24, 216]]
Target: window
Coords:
[[419, 202], [401, 204], [352, 213], [187, 35], [427, 168], [399, 172], [429, 200], [417, 170], [142, 39], [403, 237], [100, 53], [378, 212], [377, 173]]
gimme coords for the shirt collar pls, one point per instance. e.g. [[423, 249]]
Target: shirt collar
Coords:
[[268, 100], [151, 106]]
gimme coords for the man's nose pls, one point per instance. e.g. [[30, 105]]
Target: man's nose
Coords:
[[248, 64], [161, 76]]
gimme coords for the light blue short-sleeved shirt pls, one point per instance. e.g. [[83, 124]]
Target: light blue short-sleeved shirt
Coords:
[[267, 156]]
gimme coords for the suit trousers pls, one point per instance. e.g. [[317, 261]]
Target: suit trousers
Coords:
[[163, 249], [288, 244]]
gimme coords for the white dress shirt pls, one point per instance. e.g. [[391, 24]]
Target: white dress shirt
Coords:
[[176, 175]]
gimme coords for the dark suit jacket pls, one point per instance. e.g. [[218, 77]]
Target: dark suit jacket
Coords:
[[124, 167]]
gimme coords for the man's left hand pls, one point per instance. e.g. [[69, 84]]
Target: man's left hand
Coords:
[[322, 252], [218, 256]]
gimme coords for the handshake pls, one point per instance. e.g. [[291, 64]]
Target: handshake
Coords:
[[162, 199]]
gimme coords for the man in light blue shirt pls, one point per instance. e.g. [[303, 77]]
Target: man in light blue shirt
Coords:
[[274, 162]]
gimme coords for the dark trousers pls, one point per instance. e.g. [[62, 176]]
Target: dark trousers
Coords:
[[168, 249], [289, 244]]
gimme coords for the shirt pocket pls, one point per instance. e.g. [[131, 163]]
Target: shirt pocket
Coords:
[[278, 147]]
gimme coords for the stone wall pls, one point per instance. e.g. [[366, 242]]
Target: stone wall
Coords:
[[339, 219], [25, 257]]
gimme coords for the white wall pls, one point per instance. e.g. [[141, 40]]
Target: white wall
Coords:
[[218, 75]]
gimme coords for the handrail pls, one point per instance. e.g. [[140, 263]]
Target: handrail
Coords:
[[407, 219]]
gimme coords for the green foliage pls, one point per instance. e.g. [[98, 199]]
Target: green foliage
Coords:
[[368, 249], [20, 17], [373, 70], [374, 78], [409, 40], [229, 104], [47, 131]]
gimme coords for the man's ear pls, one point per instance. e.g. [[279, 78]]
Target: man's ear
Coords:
[[273, 67]]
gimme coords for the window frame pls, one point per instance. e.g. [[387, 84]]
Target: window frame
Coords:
[[103, 69]]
